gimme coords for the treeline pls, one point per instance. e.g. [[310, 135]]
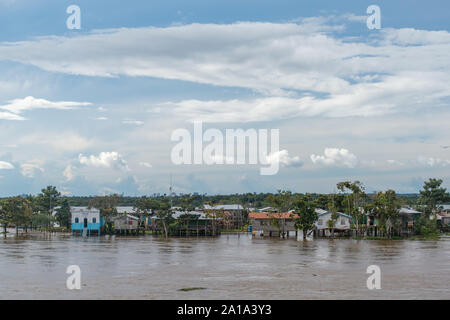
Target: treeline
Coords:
[[35, 211], [248, 200], [30, 211], [355, 202]]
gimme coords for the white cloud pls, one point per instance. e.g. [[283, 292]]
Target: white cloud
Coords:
[[432, 162], [132, 121], [105, 160], [60, 141], [10, 116], [6, 165], [145, 164], [282, 157], [68, 173], [344, 77], [17, 106], [395, 162], [335, 157], [29, 169]]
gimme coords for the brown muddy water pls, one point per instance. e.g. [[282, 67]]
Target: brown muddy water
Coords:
[[228, 267]]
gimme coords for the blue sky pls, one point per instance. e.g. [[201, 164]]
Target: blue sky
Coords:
[[92, 110]]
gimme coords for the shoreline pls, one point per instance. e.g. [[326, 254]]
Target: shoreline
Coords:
[[22, 234]]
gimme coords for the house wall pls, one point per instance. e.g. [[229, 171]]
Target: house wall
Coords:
[[89, 214], [341, 223], [266, 225], [124, 224]]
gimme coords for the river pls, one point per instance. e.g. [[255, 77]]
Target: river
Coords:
[[226, 267]]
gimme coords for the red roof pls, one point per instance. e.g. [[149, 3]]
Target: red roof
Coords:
[[269, 215]]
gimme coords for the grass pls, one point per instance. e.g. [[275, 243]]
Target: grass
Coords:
[[378, 238], [433, 236], [426, 237]]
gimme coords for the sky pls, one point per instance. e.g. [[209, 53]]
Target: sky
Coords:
[[92, 110]]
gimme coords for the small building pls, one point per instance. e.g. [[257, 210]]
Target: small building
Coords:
[[235, 213], [86, 221], [144, 221], [267, 209], [126, 224], [342, 224], [189, 223], [445, 220], [272, 224], [408, 218]]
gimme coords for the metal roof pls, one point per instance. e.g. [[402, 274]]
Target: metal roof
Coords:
[[408, 211], [224, 207], [321, 212], [126, 209]]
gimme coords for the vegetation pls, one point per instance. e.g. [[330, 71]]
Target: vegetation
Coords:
[[305, 215], [43, 210], [161, 209], [386, 207], [354, 202], [107, 206], [429, 200], [282, 202], [332, 207]]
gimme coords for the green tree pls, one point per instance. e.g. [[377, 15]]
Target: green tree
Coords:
[[214, 214], [17, 212], [429, 200], [283, 201], [386, 208], [47, 200], [304, 215], [186, 202], [164, 213], [354, 201], [5, 215], [331, 223], [107, 206], [161, 209], [322, 201], [432, 195], [63, 215]]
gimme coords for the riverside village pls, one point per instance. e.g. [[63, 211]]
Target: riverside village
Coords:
[[350, 213]]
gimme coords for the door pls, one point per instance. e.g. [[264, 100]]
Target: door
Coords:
[[85, 222]]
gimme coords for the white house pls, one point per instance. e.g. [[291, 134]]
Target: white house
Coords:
[[86, 221], [342, 223]]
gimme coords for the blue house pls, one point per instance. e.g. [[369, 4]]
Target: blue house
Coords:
[[86, 221]]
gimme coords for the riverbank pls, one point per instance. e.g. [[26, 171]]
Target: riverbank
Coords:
[[434, 237]]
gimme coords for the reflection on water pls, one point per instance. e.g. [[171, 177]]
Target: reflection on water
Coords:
[[229, 267]]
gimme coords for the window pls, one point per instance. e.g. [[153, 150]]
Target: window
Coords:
[[77, 220], [320, 222], [94, 220]]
